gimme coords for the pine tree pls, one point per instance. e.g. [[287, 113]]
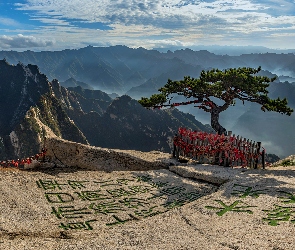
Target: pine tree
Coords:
[[227, 86]]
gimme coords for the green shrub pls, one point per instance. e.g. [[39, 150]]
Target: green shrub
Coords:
[[287, 162]]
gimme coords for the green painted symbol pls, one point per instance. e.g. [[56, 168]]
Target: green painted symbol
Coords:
[[232, 207], [92, 195], [289, 199], [159, 184], [121, 221], [149, 212], [190, 196], [69, 212], [132, 190], [117, 199], [59, 197], [76, 184], [123, 181], [244, 191], [173, 204], [77, 225], [49, 184], [106, 207], [133, 202], [144, 178], [278, 214]]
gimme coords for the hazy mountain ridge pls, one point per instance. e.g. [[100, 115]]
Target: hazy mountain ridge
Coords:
[[231, 50], [125, 70], [71, 82], [275, 130], [33, 108]]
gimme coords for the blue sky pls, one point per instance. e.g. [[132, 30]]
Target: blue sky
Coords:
[[66, 24]]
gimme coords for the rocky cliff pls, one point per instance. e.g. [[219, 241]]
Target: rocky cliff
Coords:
[[33, 108]]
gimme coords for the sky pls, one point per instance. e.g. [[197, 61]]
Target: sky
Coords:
[[40, 25]]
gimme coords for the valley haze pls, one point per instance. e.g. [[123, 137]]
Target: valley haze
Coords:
[[123, 71]]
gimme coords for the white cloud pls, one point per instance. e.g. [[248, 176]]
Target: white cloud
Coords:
[[8, 22], [21, 41], [151, 22], [151, 12], [173, 14]]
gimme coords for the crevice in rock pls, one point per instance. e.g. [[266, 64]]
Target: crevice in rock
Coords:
[[15, 235], [199, 180]]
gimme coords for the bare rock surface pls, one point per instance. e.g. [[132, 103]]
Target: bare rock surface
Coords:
[[67, 153], [86, 204]]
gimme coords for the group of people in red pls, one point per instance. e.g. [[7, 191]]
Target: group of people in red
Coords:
[[20, 163]]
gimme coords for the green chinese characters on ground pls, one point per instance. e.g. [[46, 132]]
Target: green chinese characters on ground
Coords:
[[114, 201], [273, 216]]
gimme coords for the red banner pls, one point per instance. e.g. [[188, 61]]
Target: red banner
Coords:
[[196, 143]]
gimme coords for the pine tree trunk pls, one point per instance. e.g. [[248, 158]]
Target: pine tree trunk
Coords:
[[219, 159], [215, 121]]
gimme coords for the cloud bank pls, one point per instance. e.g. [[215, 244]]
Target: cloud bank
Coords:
[[153, 23], [21, 41]]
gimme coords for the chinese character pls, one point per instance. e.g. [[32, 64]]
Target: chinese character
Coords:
[[280, 213], [147, 212], [191, 196], [144, 178], [123, 181], [118, 182], [76, 184], [58, 197], [132, 191], [77, 225], [49, 184], [168, 191], [133, 202], [91, 195], [69, 212], [247, 191], [172, 190], [121, 221], [139, 189], [105, 183], [159, 184], [289, 199], [120, 192], [106, 207], [173, 204], [233, 207]]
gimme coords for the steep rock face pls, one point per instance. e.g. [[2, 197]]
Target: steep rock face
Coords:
[[127, 125], [20, 88], [29, 104], [90, 100]]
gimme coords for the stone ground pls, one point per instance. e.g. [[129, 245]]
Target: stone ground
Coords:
[[184, 207]]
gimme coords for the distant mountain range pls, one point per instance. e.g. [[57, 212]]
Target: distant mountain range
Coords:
[[138, 72], [230, 49], [119, 70], [32, 108]]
